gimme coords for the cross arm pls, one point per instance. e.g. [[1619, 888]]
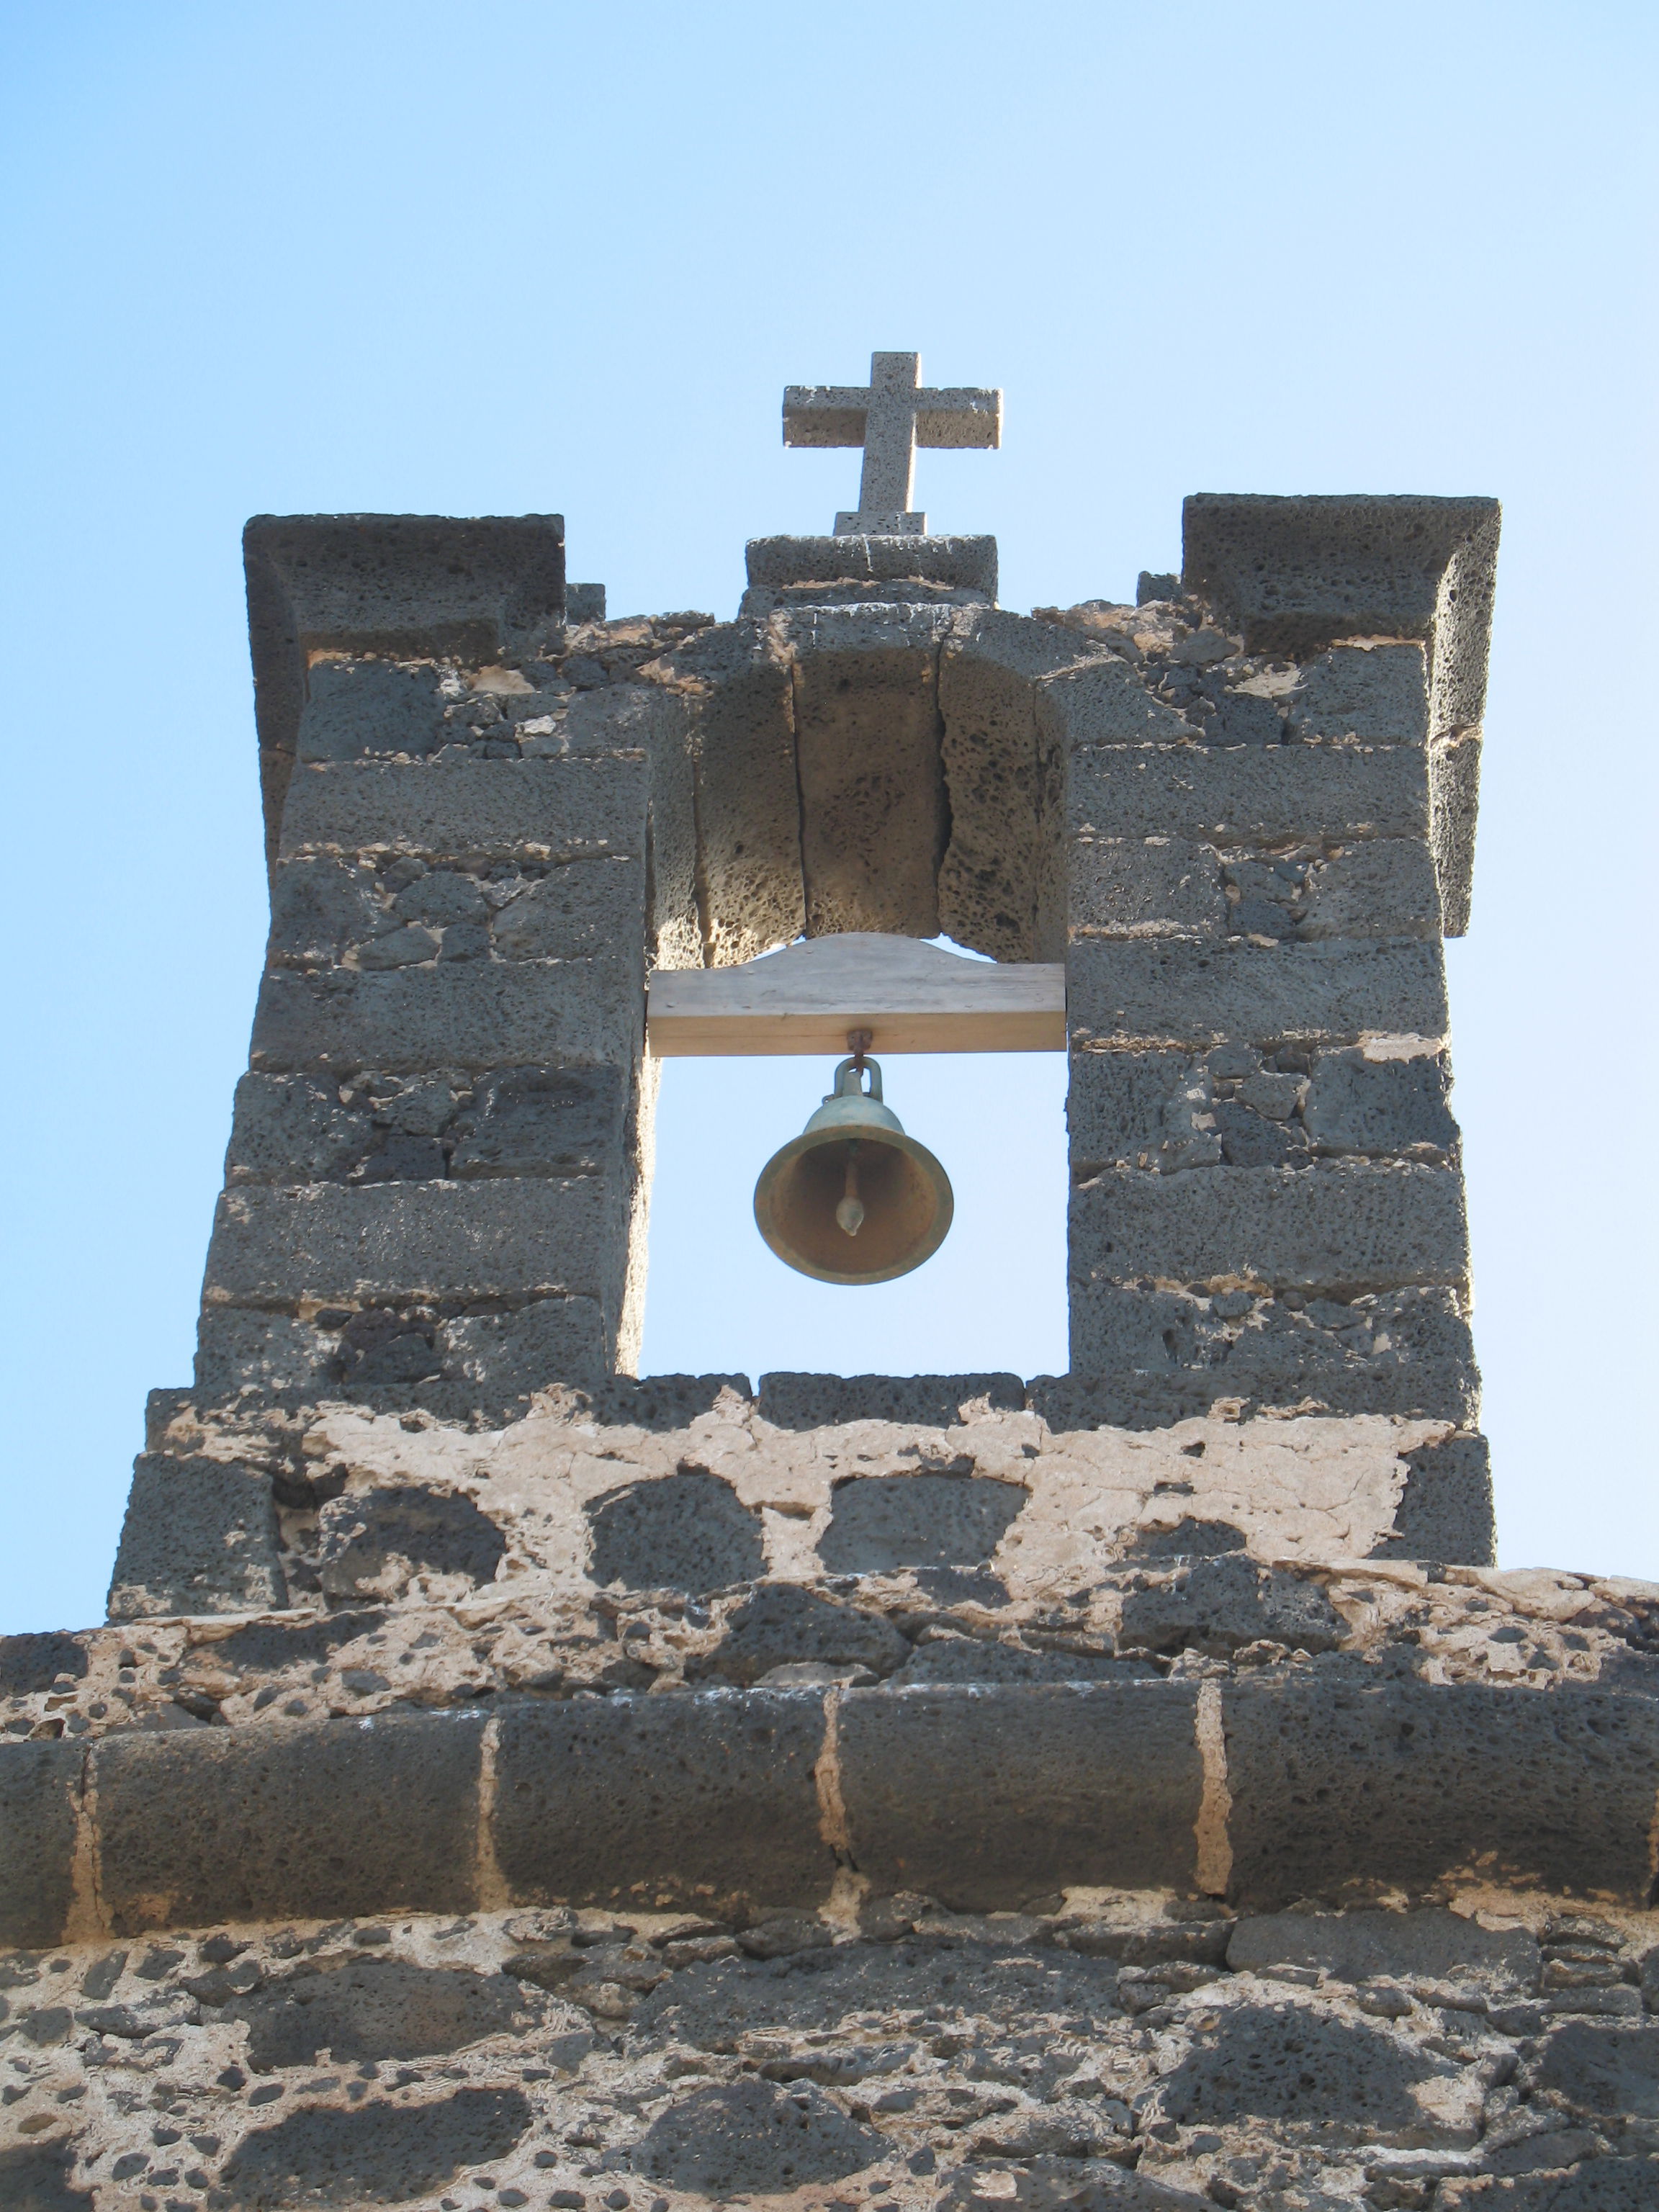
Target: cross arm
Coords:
[[825, 414], [957, 414]]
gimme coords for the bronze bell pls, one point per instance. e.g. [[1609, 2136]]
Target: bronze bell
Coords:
[[853, 1200]]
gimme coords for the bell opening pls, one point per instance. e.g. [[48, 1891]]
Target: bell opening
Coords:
[[905, 1214]]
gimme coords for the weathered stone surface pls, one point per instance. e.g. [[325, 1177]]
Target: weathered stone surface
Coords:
[[1232, 795], [379, 2153], [334, 1242], [1401, 1785], [811, 1401], [35, 1660], [1217, 1605], [1357, 1947], [1101, 700], [319, 1818], [686, 1531], [917, 1521], [783, 1625], [470, 1014], [375, 2008], [1383, 887], [1454, 793], [1606, 2072], [1282, 2063], [1379, 694], [1003, 815], [375, 1542], [38, 1786], [358, 708], [1445, 1510], [938, 1784], [543, 1120], [750, 2135], [1145, 887], [1339, 1226], [200, 1536], [874, 819], [973, 1659], [1299, 574], [580, 910], [773, 563], [1355, 1105], [34, 2177], [1179, 993], [675, 1801], [584, 806]]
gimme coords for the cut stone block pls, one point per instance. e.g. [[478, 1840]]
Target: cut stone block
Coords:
[[1361, 1106], [879, 1523], [811, 1401], [38, 1786], [1115, 1768], [1385, 887], [1145, 887], [473, 1014], [964, 563], [1379, 694], [1445, 1510], [200, 1536], [555, 810], [709, 1801], [1339, 1226], [1002, 810], [1405, 1785], [209, 1825], [472, 1239], [1454, 788], [1297, 575], [1101, 702], [1178, 993], [358, 709], [1235, 795], [688, 1531], [873, 819]]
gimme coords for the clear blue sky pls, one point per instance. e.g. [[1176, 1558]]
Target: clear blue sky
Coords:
[[504, 256]]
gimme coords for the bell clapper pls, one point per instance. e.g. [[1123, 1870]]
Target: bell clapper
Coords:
[[849, 1213]]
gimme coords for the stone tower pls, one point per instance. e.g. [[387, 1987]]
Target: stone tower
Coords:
[[508, 1780]]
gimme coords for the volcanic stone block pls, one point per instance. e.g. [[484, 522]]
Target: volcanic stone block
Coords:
[[1001, 809], [372, 1542], [753, 2135], [482, 1013], [1608, 2072], [542, 1121], [504, 1357], [1173, 993], [1238, 796], [538, 809], [1217, 1605], [294, 1129], [709, 1801], [1455, 793], [1297, 575], [1385, 887], [688, 1531], [1101, 700], [376, 2008], [1145, 887], [337, 1241], [1356, 1105], [277, 1354], [1445, 1510], [1379, 694], [318, 908], [883, 1522], [1139, 1109], [1283, 2063], [748, 799], [1405, 1784], [874, 818], [355, 709], [310, 1820], [938, 1786], [1339, 1225], [782, 1625], [970, 1659], [200, 1536], [38, 1786], [934, 1401], [578, 910], [34, 1660], [1357, 1947], [375, 2152], [963, 563]]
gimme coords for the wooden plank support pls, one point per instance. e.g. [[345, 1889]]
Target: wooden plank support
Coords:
[[910, 996]]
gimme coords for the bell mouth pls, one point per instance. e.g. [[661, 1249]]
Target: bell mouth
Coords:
[[906, 1195]]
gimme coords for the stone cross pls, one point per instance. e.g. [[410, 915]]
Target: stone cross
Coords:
[[889, 417]]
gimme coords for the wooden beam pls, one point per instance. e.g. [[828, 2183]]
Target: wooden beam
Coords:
[[911, 997]]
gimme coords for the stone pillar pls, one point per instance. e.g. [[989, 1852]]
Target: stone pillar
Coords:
[[438, 1170], [1270, 804]]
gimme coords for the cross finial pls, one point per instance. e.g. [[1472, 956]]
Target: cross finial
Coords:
[[889, 417]]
